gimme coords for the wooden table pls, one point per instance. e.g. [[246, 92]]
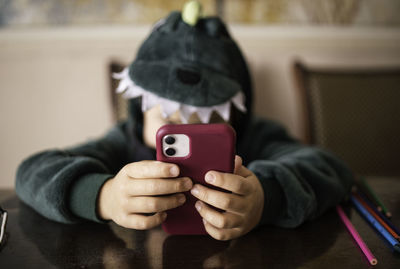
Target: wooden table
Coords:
[[35, 242]]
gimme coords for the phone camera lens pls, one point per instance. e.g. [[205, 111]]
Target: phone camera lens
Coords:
[[170, 151], [170, 140]]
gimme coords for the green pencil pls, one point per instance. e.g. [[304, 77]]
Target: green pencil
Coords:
[[377, 201], [361, 188]]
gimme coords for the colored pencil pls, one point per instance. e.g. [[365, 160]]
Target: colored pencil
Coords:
[[376, 198], [363, 189], [3, 223], [378, 227], [364, 248], [383, 217], [376, 216]]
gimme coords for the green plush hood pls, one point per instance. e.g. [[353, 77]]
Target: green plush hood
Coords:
[[196, 65]]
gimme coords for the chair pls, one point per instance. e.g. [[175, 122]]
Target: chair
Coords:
[[354, 113]]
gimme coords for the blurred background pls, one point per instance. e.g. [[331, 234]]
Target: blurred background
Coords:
[[55, 58], [30, 13]]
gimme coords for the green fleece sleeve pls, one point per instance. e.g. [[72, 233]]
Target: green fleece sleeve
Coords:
[[63, 185], [300, 182]]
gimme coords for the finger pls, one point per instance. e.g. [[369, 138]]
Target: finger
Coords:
[[238, 163], [142, 222], [243, 171], [151, 169], [222, 200], [221, 234], [143, 187], [148, 204], [231, 182], [222, 220]]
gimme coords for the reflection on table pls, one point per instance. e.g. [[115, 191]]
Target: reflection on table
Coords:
[[33, 241]]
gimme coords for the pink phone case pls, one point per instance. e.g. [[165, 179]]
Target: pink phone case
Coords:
[[212, 147]]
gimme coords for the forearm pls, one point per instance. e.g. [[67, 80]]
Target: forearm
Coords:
[[63, 185], [300, 182], [43, 182], [310, 182]]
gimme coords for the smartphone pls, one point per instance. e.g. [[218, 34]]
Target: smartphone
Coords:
[[196, 149]]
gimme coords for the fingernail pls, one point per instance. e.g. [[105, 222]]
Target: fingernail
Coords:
[[198, 205], [204, 221], [174, 171], [181, 199], [210, 177], [195, 191]]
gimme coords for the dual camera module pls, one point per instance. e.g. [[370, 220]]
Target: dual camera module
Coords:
[[170, 140], [176, 145]]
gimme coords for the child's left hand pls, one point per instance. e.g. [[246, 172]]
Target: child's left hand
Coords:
[[242, 207]]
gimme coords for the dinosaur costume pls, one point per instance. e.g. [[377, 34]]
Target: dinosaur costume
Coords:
[[193, 66]]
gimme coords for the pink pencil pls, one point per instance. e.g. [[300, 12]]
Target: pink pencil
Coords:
[[371, 258]]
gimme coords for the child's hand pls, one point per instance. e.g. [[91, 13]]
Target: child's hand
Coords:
[[136, 189], [243, 207]]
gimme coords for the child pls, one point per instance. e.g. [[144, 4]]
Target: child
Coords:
[[186, 71]]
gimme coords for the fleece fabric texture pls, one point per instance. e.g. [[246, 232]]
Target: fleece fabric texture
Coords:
[[190, 62], [299, 182]]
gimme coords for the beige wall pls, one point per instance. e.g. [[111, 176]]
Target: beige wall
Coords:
[[54, 84]]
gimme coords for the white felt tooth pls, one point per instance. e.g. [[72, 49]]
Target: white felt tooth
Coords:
[[123, 84], [148, 101], [144, 103], [168, 107], [238, 101], [130, 94], [204, 113], [133, 91], [186, 111], [152, 101], [224, 110], [122, 74]]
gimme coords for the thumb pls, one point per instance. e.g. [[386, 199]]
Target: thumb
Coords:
[[240, 169]]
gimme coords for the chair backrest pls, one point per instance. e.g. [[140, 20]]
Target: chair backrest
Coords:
[[119, 105], [355, 114]]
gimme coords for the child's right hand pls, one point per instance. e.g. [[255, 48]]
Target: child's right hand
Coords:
[[137, 189]]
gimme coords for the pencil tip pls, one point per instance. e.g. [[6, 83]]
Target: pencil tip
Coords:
[[397, 247]]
